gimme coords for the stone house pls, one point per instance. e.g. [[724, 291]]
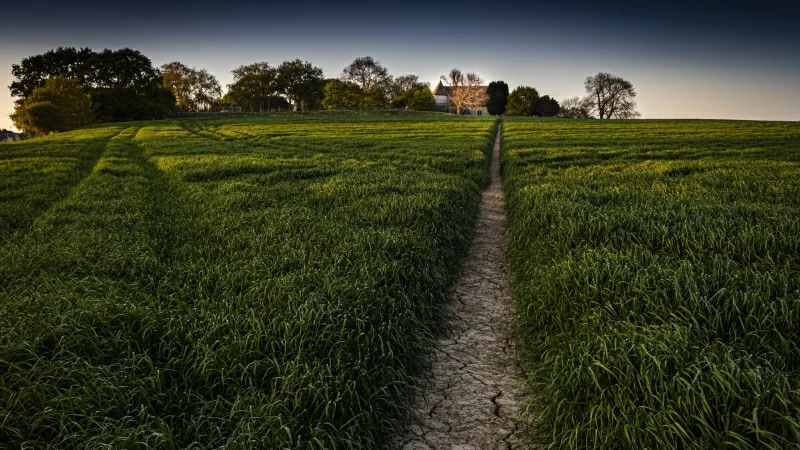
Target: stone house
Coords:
[[441, 94]]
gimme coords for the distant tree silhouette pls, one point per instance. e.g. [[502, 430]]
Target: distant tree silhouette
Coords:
[[402, 84], [546, 107], [575, 108], [366, 73], [521, 101], [301, 83], [59, 105], [121, 84], [344, 94], [254, 86], [418, 98], [611, 97], [498, 97], [193, 88], [33, 71]]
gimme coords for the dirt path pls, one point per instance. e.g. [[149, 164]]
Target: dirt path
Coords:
[[474, 397]]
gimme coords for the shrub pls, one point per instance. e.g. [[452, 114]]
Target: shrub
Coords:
[[59, 105]]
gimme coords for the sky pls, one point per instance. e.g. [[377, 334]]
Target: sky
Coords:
[[686, 59]]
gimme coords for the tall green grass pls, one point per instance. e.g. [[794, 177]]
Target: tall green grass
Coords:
[[35, 174], [657, 270], [240, 283]]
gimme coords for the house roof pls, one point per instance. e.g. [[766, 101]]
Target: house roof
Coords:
[[441, 89]]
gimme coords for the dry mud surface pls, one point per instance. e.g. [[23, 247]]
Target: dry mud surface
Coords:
[[474, 396]]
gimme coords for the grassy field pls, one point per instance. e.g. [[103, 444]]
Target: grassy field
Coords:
[[657, 268], [249, 283]]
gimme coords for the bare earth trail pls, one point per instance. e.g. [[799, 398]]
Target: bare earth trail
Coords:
[[473, 400]]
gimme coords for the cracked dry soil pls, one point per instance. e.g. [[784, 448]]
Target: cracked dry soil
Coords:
[[473, 399]]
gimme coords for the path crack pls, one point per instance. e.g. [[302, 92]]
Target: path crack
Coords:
[[496, 405]]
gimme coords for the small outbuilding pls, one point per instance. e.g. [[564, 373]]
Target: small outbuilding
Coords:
[[6, 135]]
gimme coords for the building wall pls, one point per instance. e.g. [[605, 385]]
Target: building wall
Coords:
[[475, 111], [444, 105]]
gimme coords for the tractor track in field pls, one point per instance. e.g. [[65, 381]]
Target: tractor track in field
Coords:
[[473, 398], [90, 163]]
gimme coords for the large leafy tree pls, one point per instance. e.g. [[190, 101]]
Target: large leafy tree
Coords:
[[344, 94], [611, 97], [408, 81], [122, 69], [498, 97], [34, 71], [38, 118], [126, 86], [177, 77], [521, 101], [301, 83], [422, 99], [254, 86], [377, 97], [418, 98], [120, 104], [207, 90], [374, 79], [59, 105], [546, 107], [402, 84], [121, 84], [193, 89]]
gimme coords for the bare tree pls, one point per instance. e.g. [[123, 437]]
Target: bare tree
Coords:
[[611, 96], [367, 73], [465, 89], [576, 108]]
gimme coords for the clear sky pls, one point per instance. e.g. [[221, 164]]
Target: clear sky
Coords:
[[686, 59]]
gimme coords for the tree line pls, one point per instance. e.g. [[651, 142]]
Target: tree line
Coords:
[[607, 97], [66, 88]]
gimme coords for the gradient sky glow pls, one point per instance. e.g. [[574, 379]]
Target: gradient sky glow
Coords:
[[717, 59]]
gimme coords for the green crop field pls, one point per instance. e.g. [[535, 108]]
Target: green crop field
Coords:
[[277, 282], [657, 275], [241, 283]]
